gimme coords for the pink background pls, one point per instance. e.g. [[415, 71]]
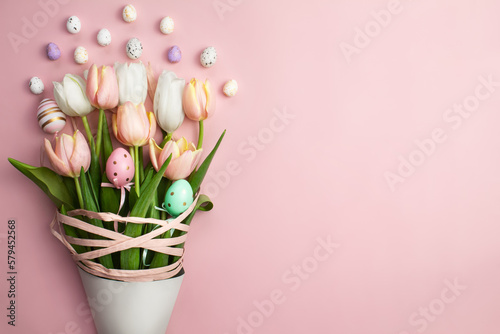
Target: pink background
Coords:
[[321, 174]]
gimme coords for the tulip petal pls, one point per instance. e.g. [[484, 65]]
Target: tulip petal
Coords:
[[92, 85], [190, 102], [81, 154], [61, 101], [210, 99], [154, 153], [57, 164], [107, 93], [74, 90], [151, 82]]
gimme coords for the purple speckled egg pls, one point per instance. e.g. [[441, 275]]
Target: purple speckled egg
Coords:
[[120, 168], [174, 54], [53, 51]]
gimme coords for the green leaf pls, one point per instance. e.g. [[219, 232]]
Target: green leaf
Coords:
[[161, 260], [107, 144], [130, 258], [94, 173], [197, 177], [72, 232], [50, 182], [90, 205]]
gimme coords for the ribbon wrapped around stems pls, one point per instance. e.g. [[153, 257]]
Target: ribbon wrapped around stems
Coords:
[[122, 196], [118, 242]]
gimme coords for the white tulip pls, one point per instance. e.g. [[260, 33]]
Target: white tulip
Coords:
[[132, 82], [168, 101], [70, 96]]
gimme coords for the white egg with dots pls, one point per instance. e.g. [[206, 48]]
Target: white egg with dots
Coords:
[[74, 25], [81, 55], [129, 13], [36, 85], [167, 25], [104, 37], [134, 48], [208, 57], [230, 88]]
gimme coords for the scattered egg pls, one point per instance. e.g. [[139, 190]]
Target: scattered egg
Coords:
[[36, 85], [120, 167], [104, 37], [174, 54], [81, 55], [230, 88], [50, 118], [129, 13], [74, 25], [53, 51], [208, 57], [134, 48], [167, 25]]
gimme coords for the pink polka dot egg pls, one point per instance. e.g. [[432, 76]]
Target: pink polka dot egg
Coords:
[[50, 118], [120, 168]]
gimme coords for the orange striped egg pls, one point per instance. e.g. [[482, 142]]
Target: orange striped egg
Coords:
[[50, 118]]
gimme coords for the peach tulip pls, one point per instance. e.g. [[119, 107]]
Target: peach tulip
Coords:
[[198, 100], [102, 87], [132, 125], [185, 158], [70, 155]]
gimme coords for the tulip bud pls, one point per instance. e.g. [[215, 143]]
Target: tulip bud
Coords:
[[102, 87], [198, 100], [70, 155], [70, 96], [132, 125], [168, 101], [132, 82]]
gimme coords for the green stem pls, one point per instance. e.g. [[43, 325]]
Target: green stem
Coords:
[[200, 136], [79, 191], [141, 163], [99, 132], [87, 128], [135, 150], [167, 138]]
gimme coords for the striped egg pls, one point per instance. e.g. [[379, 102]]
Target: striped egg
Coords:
[[50, 118]]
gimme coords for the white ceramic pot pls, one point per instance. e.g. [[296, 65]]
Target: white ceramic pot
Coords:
[[131, 307]]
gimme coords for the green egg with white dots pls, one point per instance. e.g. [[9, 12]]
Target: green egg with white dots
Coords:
[[178, 198]]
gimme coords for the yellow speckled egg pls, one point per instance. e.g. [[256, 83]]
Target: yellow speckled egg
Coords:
[[129, 13]]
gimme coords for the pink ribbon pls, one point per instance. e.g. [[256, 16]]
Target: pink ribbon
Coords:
[[122, 196]]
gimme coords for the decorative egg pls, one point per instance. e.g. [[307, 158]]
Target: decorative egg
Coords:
[[129, 13], [178, 198], [208, 57], [230, 88], [120, 167], [36, 85], [104, 37], [134, 48], [74, 25], [167, 25], [174, 54], [81, 55], [53, 51], [50, 118]]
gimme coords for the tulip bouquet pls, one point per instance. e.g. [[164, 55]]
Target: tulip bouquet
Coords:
[[116, 211]]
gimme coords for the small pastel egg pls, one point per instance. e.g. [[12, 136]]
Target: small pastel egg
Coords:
[[120, 167], [167, 25], [53, 51], [104, 37], [129, 13], [134, 48], [81, 55], [36, 85], [230, 88], [178, 197], [174, 54], [74, 25], [208, 57], [50, 118]]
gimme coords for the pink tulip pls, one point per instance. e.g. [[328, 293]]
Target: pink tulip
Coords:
[[198, 100], [71, 154], [132, 125], [185, 158], [152, 82], [102, 87]]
